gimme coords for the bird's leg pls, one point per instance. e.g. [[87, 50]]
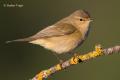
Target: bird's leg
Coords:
[[58, 58], [73, 53]]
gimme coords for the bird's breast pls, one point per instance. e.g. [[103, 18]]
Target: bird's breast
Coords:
[[60, 44]]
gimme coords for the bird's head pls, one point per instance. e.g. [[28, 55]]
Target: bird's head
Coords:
[[80, 19]]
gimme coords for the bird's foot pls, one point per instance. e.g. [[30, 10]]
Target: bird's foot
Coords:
[[61, 61], [75, 54]]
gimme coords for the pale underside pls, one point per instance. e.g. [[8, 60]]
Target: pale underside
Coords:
[[60, 44]]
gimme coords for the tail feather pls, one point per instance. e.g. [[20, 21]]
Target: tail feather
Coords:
[[20, 40]]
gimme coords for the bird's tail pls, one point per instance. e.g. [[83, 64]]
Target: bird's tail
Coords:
[[20, 40]]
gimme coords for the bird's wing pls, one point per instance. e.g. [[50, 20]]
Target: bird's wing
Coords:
[[51, 31], [54, 31]]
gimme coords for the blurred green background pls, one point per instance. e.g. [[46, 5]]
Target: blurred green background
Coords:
[[22, 61]]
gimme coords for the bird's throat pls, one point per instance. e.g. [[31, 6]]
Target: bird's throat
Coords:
[[84, 28]]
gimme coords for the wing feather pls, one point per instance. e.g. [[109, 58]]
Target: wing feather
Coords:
[[57, 30]]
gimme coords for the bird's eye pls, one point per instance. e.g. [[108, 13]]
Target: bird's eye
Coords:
[[81, 19]]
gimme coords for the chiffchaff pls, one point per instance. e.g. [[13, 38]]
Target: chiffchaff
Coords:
[[63, 36]]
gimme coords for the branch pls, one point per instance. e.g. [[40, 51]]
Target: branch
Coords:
[[75, 60]]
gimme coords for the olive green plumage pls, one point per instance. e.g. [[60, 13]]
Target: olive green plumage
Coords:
[[63, 36]]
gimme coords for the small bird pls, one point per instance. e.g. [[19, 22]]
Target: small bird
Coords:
[[63, 36]]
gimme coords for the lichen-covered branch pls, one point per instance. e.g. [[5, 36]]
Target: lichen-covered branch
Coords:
[[77, 59]]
